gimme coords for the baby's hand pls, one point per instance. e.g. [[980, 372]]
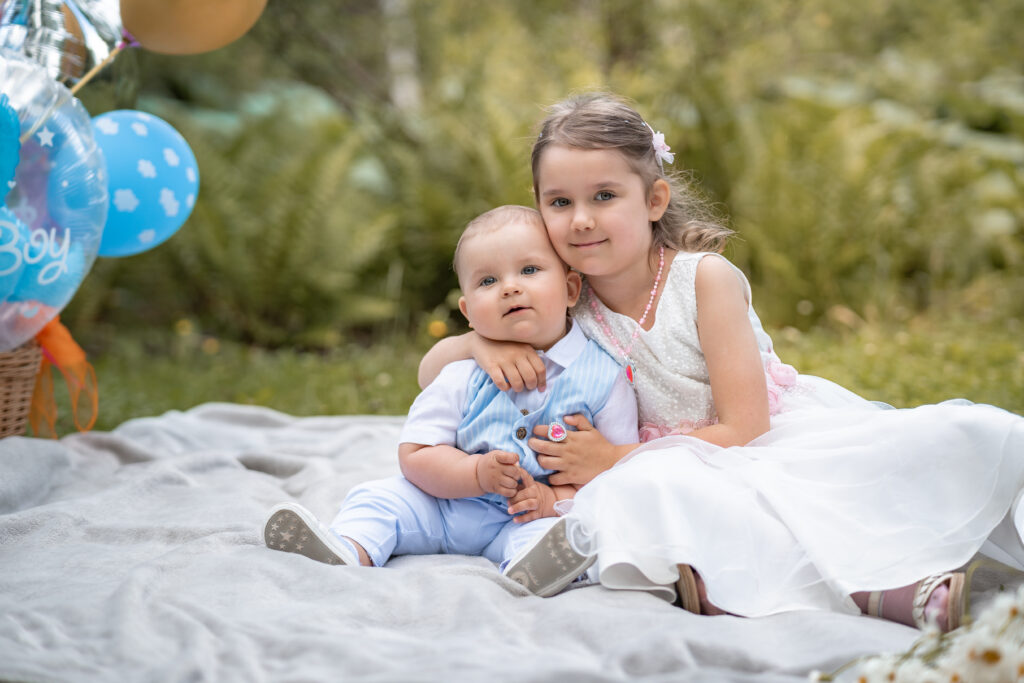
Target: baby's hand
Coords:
[[534, 499], [498, 472]]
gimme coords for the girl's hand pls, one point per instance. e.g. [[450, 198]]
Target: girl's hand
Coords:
[[509, 364], [498, 472], [533, 499], [583, 455]]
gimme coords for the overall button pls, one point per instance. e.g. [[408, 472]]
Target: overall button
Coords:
[[521, 433], [524, 411]]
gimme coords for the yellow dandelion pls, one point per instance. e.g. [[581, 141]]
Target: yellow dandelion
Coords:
[[183, 327], [210, 346]]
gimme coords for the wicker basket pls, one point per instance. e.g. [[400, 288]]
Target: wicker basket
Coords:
[[18, 370]]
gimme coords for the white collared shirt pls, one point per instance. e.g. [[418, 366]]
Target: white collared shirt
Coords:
[[436, 413]]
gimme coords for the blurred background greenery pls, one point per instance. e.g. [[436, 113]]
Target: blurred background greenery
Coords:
[[870, 155]]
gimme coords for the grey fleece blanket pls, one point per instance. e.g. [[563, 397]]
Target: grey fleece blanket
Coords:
[[137, 555]]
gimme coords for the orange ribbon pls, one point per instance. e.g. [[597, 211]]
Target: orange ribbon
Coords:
[[63, 352]]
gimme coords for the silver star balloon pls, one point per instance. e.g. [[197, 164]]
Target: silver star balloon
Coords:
[[65, 37]]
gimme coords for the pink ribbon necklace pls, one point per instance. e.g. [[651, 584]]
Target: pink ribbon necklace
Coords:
[[639, 325]]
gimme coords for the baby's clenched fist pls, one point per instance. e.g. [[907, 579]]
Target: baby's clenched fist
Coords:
[[498, 472]]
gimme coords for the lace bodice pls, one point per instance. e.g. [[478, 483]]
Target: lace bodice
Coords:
[[670, 374]]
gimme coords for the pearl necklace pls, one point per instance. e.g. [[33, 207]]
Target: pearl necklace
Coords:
[[639, 325]]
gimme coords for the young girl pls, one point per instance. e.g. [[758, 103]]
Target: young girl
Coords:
[[781, 491]]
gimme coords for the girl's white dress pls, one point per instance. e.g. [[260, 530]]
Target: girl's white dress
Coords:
[[841, 495]]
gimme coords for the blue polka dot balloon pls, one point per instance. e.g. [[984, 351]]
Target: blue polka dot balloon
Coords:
[[153, 180]]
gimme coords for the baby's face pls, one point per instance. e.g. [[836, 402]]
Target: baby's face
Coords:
[[515, 288]]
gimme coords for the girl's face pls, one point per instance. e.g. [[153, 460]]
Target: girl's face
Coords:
[[596, 209]]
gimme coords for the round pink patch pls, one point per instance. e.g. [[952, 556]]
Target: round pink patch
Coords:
[[556, 432]]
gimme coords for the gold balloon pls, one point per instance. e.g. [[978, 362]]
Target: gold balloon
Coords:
[[188, 27], [75, 56]]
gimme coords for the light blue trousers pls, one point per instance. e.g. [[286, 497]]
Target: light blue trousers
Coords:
[[394, 517]]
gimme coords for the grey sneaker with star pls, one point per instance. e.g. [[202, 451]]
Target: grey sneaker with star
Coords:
[[292, 528], [549, 565]]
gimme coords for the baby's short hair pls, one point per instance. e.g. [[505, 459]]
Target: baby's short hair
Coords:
[[493, 220]]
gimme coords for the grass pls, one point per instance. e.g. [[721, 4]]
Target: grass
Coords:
[[149, 377], [926, 360]]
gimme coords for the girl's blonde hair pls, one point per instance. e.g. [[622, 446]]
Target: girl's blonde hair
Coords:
[[604, 121]]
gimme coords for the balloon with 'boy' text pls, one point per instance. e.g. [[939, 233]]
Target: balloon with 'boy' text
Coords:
[[153, 180], [53, 198]]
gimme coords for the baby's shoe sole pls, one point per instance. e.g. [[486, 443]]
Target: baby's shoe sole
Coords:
[[550, 564], [293, 529]]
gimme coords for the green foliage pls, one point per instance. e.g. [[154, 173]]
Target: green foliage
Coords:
[[859, 207], [308, 228], [865, 161], [871, 156], [284, 246], [436, 174]]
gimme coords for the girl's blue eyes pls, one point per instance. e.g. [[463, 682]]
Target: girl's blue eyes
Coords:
[[603, 196]]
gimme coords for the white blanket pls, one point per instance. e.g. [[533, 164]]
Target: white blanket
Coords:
[[138, 555]]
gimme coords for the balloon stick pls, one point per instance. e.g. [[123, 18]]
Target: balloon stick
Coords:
[[96, 69], [127, 40]]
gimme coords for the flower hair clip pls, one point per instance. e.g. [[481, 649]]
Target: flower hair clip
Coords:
[[661, 150]]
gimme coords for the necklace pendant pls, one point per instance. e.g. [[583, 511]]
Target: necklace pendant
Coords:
[[629, 372]]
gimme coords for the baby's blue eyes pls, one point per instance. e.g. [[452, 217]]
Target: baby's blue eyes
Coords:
[[491, 280]]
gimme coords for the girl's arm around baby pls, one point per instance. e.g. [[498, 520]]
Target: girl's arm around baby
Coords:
[[509, 364]]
